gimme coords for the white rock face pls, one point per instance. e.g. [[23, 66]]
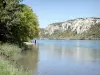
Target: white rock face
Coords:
[[79, 25]]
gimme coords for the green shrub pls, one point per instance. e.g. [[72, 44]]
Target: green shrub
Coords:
[[9, 49]]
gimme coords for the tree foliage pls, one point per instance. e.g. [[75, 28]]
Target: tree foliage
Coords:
[[18, 23]]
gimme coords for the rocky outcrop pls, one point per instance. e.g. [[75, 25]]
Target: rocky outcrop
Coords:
[[78, 25], [71, 29]]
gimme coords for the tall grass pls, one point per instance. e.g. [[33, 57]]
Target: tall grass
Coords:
[[7, 69], [9, 49]]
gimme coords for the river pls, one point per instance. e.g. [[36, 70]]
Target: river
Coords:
[[63, 57]]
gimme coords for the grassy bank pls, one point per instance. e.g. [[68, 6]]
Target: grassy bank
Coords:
[[7, 51], [7, 69]]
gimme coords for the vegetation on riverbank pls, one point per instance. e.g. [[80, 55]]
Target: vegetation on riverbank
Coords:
[[18, 24], [7, 51], [7, 69]]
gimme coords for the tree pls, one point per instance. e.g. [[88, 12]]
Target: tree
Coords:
[[9, 15], [28, 27], [18, 23]]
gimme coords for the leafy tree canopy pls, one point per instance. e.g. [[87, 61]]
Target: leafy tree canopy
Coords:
[[18, 23]]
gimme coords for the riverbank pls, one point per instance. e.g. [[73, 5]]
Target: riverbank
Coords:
[[69, 38], [7, 62], [7, 69]]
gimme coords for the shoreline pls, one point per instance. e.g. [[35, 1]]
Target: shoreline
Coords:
[[72, 39], [8, 61]]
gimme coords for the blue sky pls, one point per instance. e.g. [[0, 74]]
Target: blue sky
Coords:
[[51, 11]]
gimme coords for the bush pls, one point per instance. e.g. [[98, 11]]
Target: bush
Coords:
[[9, 49]]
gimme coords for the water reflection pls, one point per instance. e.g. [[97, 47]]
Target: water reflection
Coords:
[[83, 54], [78, 53], [57, 58], [29, 59]]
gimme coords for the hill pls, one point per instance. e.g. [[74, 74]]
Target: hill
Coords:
[[80, 28]]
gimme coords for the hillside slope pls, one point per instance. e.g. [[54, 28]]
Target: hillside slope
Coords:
[[80, 28]]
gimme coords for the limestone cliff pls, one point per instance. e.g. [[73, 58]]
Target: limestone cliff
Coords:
[[77, 26]]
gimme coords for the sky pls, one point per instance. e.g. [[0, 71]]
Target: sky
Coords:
[[51, 11]]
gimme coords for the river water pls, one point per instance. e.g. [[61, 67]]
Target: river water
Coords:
[[63, 57]]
